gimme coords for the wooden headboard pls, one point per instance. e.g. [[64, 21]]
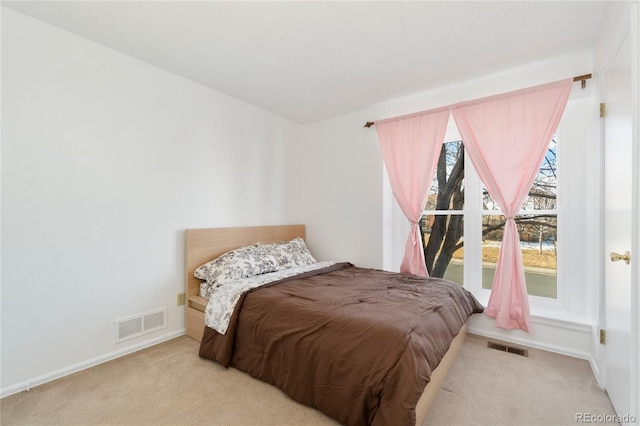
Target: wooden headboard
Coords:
[[203, 245]]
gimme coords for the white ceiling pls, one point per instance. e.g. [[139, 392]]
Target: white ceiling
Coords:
[[313, 60]]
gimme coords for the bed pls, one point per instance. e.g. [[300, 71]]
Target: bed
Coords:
[[275, 333]]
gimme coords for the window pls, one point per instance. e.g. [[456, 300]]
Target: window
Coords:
[[573, 245], [447, 211], [537, 229]]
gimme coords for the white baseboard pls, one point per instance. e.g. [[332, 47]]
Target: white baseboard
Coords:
[[596, 372], [35, 381]]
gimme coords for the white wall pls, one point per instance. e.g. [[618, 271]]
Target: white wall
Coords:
[[348, 220], [343, 189], [105, 161]]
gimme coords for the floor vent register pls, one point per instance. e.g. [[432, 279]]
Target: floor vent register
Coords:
[[509, 349]]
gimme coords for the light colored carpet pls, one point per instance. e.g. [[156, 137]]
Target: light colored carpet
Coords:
[[490, 387], [170, 385]]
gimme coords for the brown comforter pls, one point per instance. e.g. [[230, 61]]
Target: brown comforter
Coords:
[[357, 344]]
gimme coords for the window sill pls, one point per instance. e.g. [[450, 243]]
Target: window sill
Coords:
[[549, 312]]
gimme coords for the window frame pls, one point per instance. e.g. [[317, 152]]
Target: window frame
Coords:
[[473, 212]]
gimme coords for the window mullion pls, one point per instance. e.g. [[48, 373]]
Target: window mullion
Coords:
[[473, 231]]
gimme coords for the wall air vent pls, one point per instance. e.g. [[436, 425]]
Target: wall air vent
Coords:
[[509, 349], [130, 327]]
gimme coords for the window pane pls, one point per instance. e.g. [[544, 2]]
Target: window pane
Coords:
[[542, 195], [443, 243], [447, 187], [538, 244]]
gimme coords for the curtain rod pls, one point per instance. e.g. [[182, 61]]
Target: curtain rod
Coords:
[[582, 78]]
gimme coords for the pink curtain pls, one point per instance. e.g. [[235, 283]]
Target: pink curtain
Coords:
[[410, 148], [506, 137]]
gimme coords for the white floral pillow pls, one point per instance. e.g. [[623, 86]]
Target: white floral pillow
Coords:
[[240, 263], [290, 254]]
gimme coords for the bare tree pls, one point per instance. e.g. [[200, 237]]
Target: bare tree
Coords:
[[446, 231]]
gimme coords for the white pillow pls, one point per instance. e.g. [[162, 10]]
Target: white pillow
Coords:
[[240, 263], [289, 254]]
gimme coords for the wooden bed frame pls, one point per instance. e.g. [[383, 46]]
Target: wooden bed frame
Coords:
[[203, 245]]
